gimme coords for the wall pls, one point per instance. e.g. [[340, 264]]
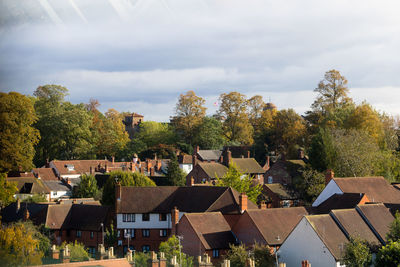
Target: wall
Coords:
[[186, 167], [246, 232], [329, 190], [304, 244], [154, 222]]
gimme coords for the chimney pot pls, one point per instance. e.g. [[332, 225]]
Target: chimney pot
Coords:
[[329, 175], [263, 205], [174, 220], [248, 153], [242, 202]]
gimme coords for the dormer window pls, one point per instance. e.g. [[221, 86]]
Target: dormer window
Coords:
[[70, 167]]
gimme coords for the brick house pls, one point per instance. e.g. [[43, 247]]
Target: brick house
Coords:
[[280, 196], [147, 216]]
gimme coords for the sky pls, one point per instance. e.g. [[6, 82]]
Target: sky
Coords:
[[140, 55]]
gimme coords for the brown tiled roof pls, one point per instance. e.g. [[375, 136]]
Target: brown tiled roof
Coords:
[[87, 217], [45, 174], [121, 262], [354, 225], [162, 199], [185, 159], [55, 185], [29, 185], [279, 222], [339, 201], [80, 166], [11, 213], [213, 170], [378, 216], [212, 229], [206, 155], [376, 188], [329, 233], [56, 215], [247, 165], [282, 191]]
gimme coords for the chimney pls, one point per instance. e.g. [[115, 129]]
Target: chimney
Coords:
[[106, 168], [242, 202], [329, 175], [227, 158], [266, 165], [174, 220], [152, 171], [149, 165], [18, 205], [262, 205], [91, 170], [155, 156], [141, 168], [26, 213], [118, 193], [221, 159], [248, 153], [191, 181], [196, 150], [305, 263], [301, 153], [113, 160], [194, 160], [158, 165], [47, 163]]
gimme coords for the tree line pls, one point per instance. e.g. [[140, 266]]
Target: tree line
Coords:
[[352, 139]]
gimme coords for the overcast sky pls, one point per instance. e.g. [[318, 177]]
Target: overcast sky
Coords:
[[139, 55]]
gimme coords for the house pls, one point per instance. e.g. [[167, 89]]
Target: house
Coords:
[[45, 174], [377, 189], [73, 169], [147, 216], [283, 171], [185, 162], [207, 171], [58, 189], [267, 226], [29, 186], [206, 232], [280, 196], [326, 235]]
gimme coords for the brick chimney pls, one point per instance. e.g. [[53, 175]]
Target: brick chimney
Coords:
[[113, 160], [266, 165], [152, 171], [106, 168], [174, 220], [149, 165], [242, 202], [262, 205], [158, 165], [118, 193], [227, 157], [248, 153], [305, 263], [329, 175], [26, 213], [194, 160], [221, 159], [191, 181]]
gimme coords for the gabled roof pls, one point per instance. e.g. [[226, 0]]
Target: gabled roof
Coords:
[[45, 174], [378, 216], [185, 159], [79, 166], [213, 170], [29, 185], [11, 213], [162, 199], [206, 155], [86, 217], [354, 225], [329, 233], [339, 201], [274, 223], [281, 191], [56, 185], [248, 165], [55, 215], [376, 188], [212, 229]]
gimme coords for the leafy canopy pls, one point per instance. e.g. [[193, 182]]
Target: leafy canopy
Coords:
[[7, 191], [357, 253], [171, 248], [86, 188]]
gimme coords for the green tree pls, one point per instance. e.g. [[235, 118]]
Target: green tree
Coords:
[[209, 134], [154, 133], [18, 246], [236, 124], [357, 253], [141, 258], [172, 248], [255, 107], [388, 255], [394, 232], [86, 188], [17, 135], [237, 255], [36, 198], [189, 112], [64, 128], [332, 92], [310, 184], [263, 256], [125, 179], [111, 236], [175, 175], [40, 233], [7, 191], [78, 252], [241, 182]]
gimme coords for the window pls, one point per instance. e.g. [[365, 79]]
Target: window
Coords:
[[215, 253], [128, 217], [163, 232], [163, 216], [146, 217], [146, 248], [119, 233], [129, 233], [55, 193], [91, 235], [92, 251], [145, 232], [270, 180], [78, 233]]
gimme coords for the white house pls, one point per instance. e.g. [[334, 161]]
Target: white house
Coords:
[[317, 239]]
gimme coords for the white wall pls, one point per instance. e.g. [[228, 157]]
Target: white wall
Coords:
[[60, 194], [330, 189], [186, 167], [153, 223], [304, 244]]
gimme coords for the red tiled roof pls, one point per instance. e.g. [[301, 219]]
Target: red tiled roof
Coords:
[[80, 166], [45, 174]]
